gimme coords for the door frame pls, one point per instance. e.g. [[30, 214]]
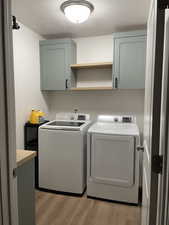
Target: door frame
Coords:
[[155, 142], [163, 195], [8, 183], [156, 36]]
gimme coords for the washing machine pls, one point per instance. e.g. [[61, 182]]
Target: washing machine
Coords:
[[63, 152], [113, 168]]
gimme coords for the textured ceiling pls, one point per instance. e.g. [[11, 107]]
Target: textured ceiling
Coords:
[[45, 17]]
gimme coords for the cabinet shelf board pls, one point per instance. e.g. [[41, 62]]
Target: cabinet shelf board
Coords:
[[91, 88], [92, 65]]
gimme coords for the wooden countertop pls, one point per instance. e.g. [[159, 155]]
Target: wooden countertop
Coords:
[[22, 156]]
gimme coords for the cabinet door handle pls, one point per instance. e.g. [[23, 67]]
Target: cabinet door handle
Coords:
[[116, 82], [66, 83]]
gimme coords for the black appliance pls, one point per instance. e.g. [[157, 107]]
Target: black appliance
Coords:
[[31, 143]]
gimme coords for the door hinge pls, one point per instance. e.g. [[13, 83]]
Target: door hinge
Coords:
[[157, 164], [15, 172], [163, 4], [140, 148]]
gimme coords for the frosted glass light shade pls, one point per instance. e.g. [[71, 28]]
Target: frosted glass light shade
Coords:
[[77, 13]]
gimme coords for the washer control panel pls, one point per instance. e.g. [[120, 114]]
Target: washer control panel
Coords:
[[81, 117]]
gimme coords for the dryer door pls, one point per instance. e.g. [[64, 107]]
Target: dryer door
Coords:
[[112, 160]]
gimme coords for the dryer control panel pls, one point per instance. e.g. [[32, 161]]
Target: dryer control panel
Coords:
[[123, 119], [117, 119], [127, 119]]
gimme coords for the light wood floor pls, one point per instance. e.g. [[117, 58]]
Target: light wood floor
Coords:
[[56, 209]]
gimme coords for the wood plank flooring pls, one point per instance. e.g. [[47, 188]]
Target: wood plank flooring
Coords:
[[56, 209]]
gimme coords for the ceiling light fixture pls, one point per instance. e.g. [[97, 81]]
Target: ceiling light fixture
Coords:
[[77, 11]]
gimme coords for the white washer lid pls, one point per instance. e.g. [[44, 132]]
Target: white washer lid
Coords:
[[115, 128]]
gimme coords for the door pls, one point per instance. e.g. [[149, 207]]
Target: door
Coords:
[[154, 61], [163, 205], [8, 183], [106, 153], [53, 66], [130, 55]]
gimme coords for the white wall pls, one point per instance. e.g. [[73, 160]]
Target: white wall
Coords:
[[98, 49], [100, 102], [27, 78], [94, 49]]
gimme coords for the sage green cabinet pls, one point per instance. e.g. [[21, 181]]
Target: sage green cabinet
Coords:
[[26, 193], [55, 59], [129, 60]]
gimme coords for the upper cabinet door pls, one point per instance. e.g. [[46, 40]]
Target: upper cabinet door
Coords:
[[55, 59], [129, 60]]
